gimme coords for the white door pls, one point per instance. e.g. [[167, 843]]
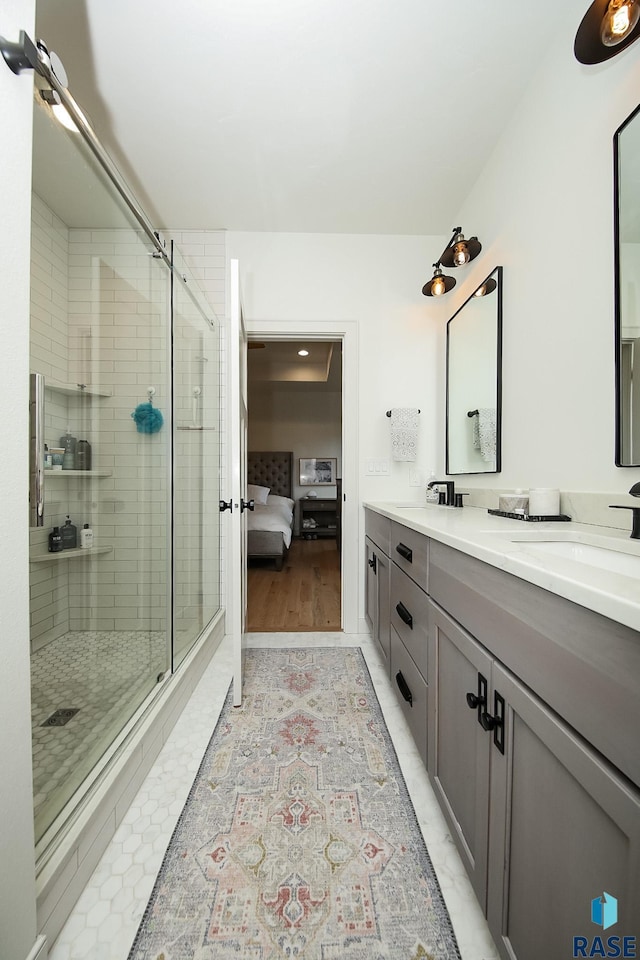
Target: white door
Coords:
[[237, 605]]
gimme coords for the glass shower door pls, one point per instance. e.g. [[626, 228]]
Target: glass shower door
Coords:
[[196, 404], [100, 352]]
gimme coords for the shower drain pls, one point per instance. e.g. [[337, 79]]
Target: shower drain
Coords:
[[60, 717]]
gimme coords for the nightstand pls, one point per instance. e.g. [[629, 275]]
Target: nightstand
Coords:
[[318, 517]]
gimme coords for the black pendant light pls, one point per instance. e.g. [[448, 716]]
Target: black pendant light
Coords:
[[607, 28], [439, 283], [460, 251], [456, 253]]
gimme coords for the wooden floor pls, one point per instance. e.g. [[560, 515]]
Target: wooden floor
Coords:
[[305, 595]]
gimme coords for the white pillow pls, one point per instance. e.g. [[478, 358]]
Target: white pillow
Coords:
[[256, 493], [274, 499]]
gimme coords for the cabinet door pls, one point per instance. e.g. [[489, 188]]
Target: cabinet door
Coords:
[[377, 596], [459, 747], [564, 828]]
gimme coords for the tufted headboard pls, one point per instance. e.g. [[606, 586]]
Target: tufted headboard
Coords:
[[271, 468]]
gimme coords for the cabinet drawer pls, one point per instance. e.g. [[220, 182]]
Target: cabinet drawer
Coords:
[[378, 529], [411, 691], [410, 551], [409, 607]]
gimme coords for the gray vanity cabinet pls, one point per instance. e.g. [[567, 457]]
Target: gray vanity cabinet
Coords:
[[531, 713], [377, 578], [459, 749], [564, 827], [540, 820]]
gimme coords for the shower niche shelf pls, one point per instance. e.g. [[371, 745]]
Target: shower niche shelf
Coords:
[[78, 473], [77, 389], [69, 554]]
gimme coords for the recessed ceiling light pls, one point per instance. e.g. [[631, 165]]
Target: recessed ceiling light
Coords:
[[303, 353]]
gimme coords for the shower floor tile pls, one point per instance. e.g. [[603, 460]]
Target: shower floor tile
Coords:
[[105, 676]]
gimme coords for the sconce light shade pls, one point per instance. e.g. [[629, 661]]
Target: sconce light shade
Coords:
[[606, 29], [486, 288], [460, 251], [439, 283]]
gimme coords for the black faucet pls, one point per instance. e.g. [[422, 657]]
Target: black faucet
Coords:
[[450, 485], [635, 523]]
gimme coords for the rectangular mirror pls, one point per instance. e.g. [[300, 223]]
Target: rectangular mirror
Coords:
[[474, 381], [626, 147]]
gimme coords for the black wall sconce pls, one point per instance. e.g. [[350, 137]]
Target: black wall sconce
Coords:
[[456, 253], [606, 29]]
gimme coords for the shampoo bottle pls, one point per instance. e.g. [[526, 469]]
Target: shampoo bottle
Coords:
[[83, 455], [69, 535], [55, 541], [86, 537], [68, 444]]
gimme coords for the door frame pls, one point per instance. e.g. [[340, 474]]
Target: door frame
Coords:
[[345, 331]]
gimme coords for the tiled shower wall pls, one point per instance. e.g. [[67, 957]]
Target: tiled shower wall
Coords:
[[79, 275], [49, 582], [200, 459]]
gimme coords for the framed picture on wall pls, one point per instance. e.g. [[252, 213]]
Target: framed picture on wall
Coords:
[[317, 471]]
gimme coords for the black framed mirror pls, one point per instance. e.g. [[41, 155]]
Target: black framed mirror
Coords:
[[626, 166], [474, 381]]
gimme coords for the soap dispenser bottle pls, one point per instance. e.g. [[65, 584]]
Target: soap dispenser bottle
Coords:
[[69, 535], [86, 537], [431, 492]]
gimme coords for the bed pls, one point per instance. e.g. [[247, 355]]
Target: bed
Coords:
[[270, 524]]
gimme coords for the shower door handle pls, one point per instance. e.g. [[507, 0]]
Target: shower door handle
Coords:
[[36, 430]]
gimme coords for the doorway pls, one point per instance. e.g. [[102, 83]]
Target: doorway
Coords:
[[295, 404]]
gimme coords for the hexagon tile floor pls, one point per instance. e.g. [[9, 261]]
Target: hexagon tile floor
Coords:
[[105, 676], [104, 922]]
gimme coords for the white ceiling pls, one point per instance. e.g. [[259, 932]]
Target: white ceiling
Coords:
[[347, 116]]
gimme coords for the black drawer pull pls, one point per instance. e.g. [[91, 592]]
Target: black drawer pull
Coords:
[[404, 614], [405, 552], [404, 688]]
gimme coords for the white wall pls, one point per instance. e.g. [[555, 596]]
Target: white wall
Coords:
[[17, 881], [543, 207], [299, 417], [377, 282]]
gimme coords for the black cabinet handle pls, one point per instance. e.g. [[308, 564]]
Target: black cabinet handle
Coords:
[[225, 506], [403, 687], [405, 552], [404, 614], [476, 701], [488, 722], [495, 723], [246, 505], [473, 701], [372, 563]]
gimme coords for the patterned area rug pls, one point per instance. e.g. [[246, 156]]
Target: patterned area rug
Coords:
[[298, 839]]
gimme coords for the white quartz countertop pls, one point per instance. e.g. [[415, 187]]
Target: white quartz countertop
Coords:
[[528, 550]]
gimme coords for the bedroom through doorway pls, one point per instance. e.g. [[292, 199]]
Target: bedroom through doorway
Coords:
[[294, 468]]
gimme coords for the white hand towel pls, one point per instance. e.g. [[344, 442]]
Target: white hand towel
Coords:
[[484, 433], [404, 433]]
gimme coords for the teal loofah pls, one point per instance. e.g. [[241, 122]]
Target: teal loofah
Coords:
[[147, 418]]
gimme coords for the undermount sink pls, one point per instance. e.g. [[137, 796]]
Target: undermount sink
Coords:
[[613, 558]]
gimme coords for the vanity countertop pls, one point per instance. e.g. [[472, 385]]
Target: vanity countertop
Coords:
[[532, 552]]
